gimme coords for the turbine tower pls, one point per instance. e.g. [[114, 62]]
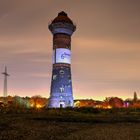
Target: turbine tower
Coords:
[[61, 94], [5, 82]]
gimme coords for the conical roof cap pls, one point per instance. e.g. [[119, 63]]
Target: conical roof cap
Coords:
[[62, 17]]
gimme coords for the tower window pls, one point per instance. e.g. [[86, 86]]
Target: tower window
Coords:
[[61, 72]]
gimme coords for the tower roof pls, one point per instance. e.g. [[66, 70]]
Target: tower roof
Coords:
[[62, 17]]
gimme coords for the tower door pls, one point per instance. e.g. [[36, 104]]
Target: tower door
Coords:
[[62, 104]]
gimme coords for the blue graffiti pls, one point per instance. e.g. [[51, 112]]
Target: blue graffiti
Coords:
[[65, 55]]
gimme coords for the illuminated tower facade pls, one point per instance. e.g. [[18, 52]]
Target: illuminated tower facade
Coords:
[[61, 94]]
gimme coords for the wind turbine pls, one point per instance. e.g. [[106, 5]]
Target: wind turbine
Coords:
[[5, 82]]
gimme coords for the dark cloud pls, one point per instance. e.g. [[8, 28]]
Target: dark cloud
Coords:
[[105, 46]]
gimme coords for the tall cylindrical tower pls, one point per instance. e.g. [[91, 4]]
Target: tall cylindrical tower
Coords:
[[61, 94]]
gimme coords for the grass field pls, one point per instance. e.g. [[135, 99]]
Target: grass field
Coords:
[[69, 124]]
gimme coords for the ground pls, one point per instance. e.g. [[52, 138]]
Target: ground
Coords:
[[69, 125]]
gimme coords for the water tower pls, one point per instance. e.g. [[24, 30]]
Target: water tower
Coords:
[[61, 94]]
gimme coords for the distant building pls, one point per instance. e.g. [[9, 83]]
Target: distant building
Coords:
[[132, 103]]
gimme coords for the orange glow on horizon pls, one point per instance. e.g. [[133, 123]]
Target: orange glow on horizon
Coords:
[[39, 106]]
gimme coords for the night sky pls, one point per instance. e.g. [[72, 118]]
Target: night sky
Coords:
[[105, 46]]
